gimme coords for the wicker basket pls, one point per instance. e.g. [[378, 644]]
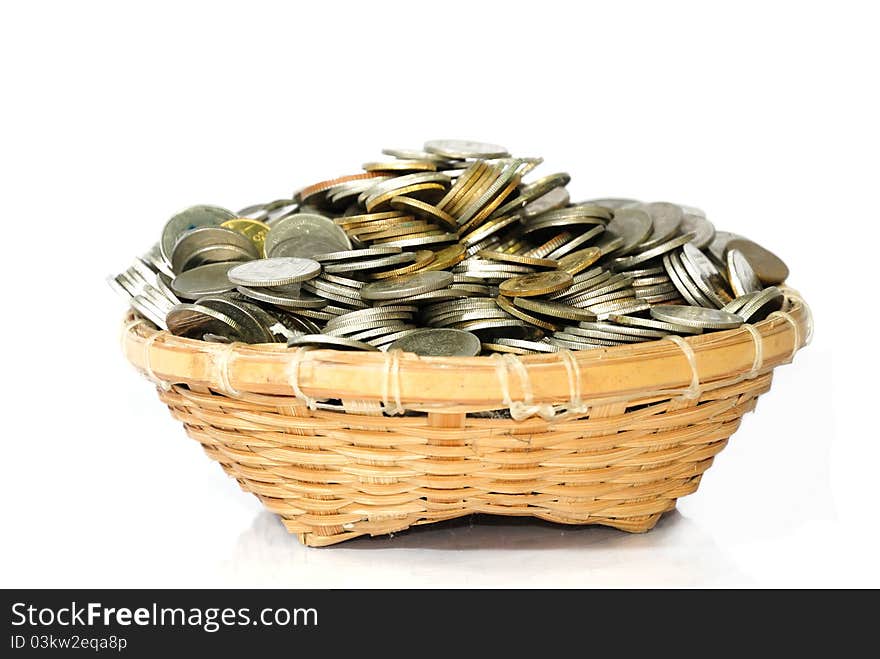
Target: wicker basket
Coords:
[[607, 436]]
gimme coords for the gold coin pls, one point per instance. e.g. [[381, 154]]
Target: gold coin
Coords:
[[253, 229], [424, 258], [435, 231], [517, 258], [402, 229], [424, 211], [401, 166], [498, 347], [477, 219], [427, 191], [580, 260], [367, 217], [539, 283], [448, 257], [379, 225], [462, 184], [478, 188], [551, 245], [507, 305], [487, 229]]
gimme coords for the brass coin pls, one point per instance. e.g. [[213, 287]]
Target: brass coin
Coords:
[[541, 283], [580, 260], [517, 258], [423, 258], [423, 211], [508, 306], [401, 165], [554, 309], [253, 229], [424, 191], [447, 257]]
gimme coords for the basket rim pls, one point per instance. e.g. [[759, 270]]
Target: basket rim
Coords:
[[653, 369]]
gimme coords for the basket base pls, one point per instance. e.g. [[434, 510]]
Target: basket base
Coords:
[[641, 524], [335, 476]]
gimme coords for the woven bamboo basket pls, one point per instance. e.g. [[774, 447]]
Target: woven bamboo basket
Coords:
[[342, 444]]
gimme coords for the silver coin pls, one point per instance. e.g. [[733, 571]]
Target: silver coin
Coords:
[[149, 311], [465, 149], [304, 235], [210, 279], [681, 280], [254, 212], [349, 254], [742, 277], [614, 202], [581, 339], [531, 191], [609, 245], [441, 295], [319, 286], [415, 154], [511, 328], [211, 245], [342, 281], [254, 323], [385, 342], [718, 246], [371, 313], [739, 302], [555, 198], [298, 301], [666, 219], [195, 216], [574, 345], [705, 275], [276, 271], [703, 229], [696, 316], [651, 323], [763, 304], [370, 264], [347, 300], [298, 322], [605, 335], [195, 320], [633, 225], [422, 282], [624, 262], [615, 328], [368, 329], [332, 342], [439, 342], [459, 317]]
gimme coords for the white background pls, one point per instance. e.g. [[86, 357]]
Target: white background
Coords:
[[115, 117]]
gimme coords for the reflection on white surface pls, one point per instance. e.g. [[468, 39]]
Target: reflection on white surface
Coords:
[[486, 551]]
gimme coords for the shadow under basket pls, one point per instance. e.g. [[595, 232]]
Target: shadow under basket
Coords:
[[342, 444]]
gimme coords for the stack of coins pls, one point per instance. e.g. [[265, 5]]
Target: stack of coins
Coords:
[[446, 250]]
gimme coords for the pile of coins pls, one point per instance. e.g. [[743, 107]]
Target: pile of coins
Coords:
[[446, 250]]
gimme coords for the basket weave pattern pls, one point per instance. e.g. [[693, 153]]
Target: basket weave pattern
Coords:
[[334, 474]]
